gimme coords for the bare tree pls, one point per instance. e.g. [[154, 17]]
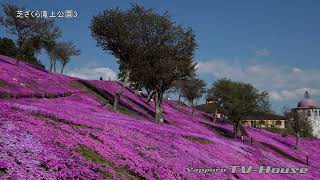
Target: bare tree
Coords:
[[49, 40], [177, 88], [298, 121], [63, 52]]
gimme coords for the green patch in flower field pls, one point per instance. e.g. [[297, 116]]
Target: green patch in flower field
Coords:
[[76, 84], [94, 137], [154, 174], [108, 106], [49, 119], [58, 121], [3, 171], [52, 96], [126, 111], [98, 97], [197, 139], [91, 154], [5, 84], [126, 173], [102, 97], [60, 144], [80, 86], [219, 130], [105, 175], [44, 166], [4, 95], [141, 108], [79, 126]]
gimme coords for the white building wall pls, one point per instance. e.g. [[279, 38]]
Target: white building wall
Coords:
[[314, 117], [315, 120]]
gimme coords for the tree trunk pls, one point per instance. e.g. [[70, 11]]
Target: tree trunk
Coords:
[[51, 66], [158, 102], [235, 128], [297, 140], [62, 68], [179, 101], [161, 110], [116, 101], [54, 66], [150, 95], [19, 54], [215, 116], [192, 104], [119, 93], [148, 91], [206, 108], [18, 57], [51, 62]]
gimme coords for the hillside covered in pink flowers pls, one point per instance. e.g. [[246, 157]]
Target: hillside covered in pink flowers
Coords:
[[58, 127]]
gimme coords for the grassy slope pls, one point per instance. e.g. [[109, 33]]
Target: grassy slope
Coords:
[[79, 135]]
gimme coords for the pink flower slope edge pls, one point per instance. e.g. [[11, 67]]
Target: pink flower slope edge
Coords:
[[40, 137]]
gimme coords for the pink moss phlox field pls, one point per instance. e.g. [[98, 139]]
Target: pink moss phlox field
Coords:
[[76, 136], [25, 80]]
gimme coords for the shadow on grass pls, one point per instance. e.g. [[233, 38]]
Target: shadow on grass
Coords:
[[283, 142], [283, 153], [219, 130], [107, 99], [243, 130], [146, 109], [6, 84], [58, 121], [103, 96]]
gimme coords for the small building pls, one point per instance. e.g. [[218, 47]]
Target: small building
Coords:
[[309, 106], [211, 108], [265, 121]]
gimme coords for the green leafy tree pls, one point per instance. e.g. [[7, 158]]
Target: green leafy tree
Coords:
[[165, 54], [114, 31], [237, 100], [30, 57], [193, 89], [8, 48], [26, 30], [151, 50], [177, 87]]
